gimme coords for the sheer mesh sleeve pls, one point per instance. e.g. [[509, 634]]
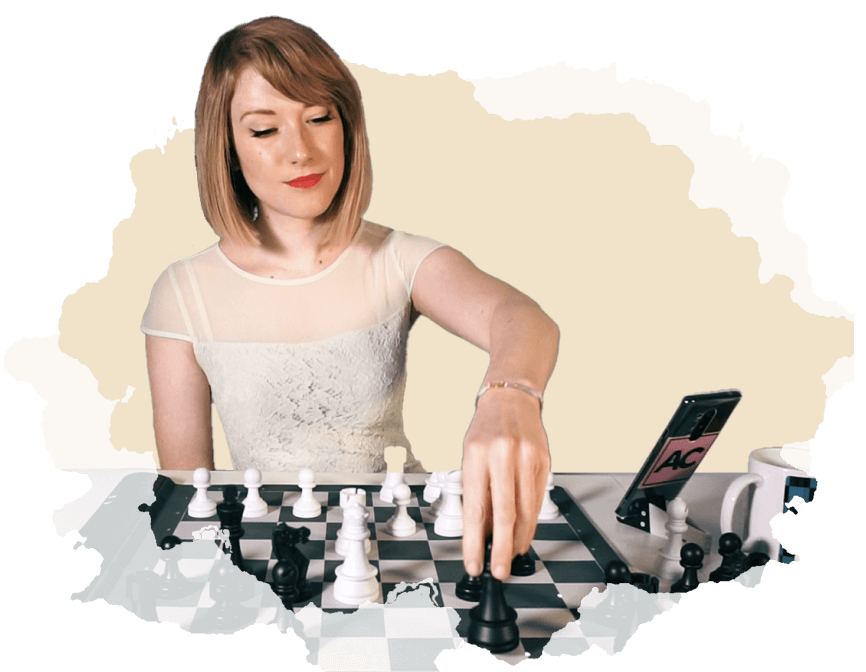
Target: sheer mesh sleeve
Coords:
[[409, 251], [166, 315]]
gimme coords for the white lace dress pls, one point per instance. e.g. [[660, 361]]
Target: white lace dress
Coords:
[[306, 373]]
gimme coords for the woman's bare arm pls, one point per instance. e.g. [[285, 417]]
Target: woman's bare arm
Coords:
[[181, 405]]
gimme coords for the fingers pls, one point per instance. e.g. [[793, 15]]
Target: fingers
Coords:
[[476, 507]]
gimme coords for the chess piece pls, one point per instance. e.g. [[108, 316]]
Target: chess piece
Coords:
[[285, 577], [618, 609], [230, 512], [669, 561], [227, 614], [549, 509], [439, 482], [360, 496], [172, 585], [392, 479], [401, 524], [307, 505], [449, 519], [285, 540], [692, 559], [141, 592], [734, 561], [201, 505], [469, 588], [755, 563], [356, 581], [493, 624], [431, 488], [254, 505], [523, 565]]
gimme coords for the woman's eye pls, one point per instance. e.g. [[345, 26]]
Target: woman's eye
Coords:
[[261, 134], [321, 120]]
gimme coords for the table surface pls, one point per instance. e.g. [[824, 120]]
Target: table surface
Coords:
[[597, 494]]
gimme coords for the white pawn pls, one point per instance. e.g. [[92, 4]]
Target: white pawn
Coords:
[[669, 566], [392, 479], [201, 505], [356, 581], [401, 523], [438, 483], [449, 519], [549, 509], [254, 505], [307, 506], [347, 495], [431, 488]]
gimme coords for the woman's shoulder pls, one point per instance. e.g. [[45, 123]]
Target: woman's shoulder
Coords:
[[385, 239]]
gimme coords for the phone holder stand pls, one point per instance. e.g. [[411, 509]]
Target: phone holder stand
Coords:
[[652, 517]]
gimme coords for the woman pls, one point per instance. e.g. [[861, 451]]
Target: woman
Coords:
[[296, 321]]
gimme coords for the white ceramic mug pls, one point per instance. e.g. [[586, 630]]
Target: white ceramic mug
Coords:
[[776, 484]]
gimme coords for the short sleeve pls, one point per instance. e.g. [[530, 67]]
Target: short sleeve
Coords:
[[166, 316], [409, 251]]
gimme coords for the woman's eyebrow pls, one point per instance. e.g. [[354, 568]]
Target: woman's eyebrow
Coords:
[[256, 112]]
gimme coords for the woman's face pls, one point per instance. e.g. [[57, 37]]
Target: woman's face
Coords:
[[291, 154]]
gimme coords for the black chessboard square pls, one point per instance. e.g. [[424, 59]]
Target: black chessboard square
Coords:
[[409, 655], [312, 550], [256, 568], [450, 571], [555, 532], [331, 530], [425, 595], [577, 571], [354, 623], [432, 535], [532, 596], [286, 516], [315, 598], [383, 515], [403, 549], [258, 530]]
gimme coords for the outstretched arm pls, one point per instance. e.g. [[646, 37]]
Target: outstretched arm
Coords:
[[505, 453]]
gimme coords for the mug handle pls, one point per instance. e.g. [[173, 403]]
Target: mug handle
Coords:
[[732, 494]]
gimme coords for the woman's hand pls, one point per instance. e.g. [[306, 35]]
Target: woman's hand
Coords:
[[505, 466]]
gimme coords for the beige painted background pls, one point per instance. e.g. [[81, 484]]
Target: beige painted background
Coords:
[[655, 298]]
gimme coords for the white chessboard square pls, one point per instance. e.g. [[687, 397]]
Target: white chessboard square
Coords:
[[272, 516], [541, 575], [354, 653], [573, 593], [256, 549], [446, 549], [186, 528], [193, 568], [450, 599], [566, 550], [335, 514], [317, 531], [408, 571], [542, 622], [420, 622]]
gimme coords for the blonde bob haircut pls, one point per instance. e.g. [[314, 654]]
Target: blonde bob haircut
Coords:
[[300, 65]]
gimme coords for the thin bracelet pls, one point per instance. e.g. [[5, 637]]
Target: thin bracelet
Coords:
[[516, 386]]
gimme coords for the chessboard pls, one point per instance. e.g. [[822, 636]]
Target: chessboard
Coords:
[[416, 573]]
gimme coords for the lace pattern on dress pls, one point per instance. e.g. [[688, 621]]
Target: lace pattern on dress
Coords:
[[328, 406]]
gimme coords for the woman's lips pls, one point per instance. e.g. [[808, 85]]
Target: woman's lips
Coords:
[[306, 181]]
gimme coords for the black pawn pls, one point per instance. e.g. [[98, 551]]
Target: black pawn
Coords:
[[618, 609], [755, 563], [493, 624], [523, 565], [141, 593], [228, 589], [173, 585], [230, 511], [732, 563], [692, 559], [469, 588], [285, 581]]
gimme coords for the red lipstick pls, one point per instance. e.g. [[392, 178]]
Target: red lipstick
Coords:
[[306, 181]]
